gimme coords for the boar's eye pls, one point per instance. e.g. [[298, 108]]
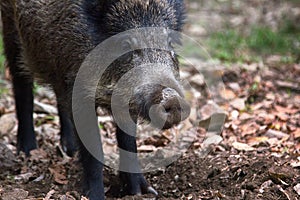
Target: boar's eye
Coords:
[[170, 43], [174, 40], [129, 44], [126, 45]]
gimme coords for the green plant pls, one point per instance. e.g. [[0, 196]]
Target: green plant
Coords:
[[227, 45], [265, 41], [35, 88], [232, 46], [2, 58]]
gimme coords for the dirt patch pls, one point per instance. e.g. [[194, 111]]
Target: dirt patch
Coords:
[[220, 175]]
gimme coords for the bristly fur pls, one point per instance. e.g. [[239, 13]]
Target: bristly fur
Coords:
[[122, 15]]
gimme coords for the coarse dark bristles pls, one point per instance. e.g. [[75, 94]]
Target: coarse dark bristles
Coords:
[[122, 15]]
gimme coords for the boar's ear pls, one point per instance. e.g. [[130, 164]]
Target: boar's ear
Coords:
[[180, 12]]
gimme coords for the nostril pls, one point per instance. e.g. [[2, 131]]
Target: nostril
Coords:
[[168, 109]]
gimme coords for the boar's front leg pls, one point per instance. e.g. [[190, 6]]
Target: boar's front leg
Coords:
[[24, 105], [22, 83], [67, 138], [93, 174], [93, 186], [133, 181]]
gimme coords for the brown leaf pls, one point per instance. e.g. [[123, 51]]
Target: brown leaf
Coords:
[[274, 142], [256, 140], [295, 163], [7, 75], [49, 194], [278, 175], [270, 96], [296, 133], [297, 147], [266, 118], [209, 109], [58, 173], [277, 134], [282, 116], [297, 188], [257, 106], [288, 110], [38, 154], [289, 85], [249, 129], [227, 94], [245, 116]]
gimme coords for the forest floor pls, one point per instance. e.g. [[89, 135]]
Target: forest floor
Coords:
[[242, 140]]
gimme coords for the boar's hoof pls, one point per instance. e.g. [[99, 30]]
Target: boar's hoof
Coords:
[[151, 190], [135, 184], [26, 144], [68, 145]]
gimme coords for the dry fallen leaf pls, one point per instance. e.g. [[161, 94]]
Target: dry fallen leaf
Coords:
[[24, 177], [277, 134], [256, 140], [288, 85], [297, 188], [242, 146], [44, 108], [49, 194], [249, 128], [38, 154], [295, 163], [288, 109], [282, 116], [58, 173], [296, 133], [265, 185], [227, 94]]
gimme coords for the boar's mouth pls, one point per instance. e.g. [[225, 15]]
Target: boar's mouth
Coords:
[[163, 106]]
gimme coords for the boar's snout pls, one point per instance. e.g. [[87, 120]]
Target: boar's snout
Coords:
[[170, 111]]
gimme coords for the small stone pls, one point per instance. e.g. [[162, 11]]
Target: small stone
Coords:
[[7, 122], [235, 114], [234, 86], [198, 80], [238, 104]]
